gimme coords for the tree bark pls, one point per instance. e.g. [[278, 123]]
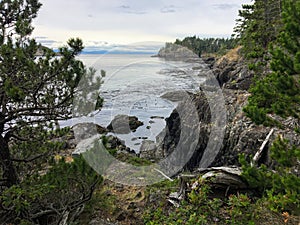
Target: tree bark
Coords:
[[8, 169]]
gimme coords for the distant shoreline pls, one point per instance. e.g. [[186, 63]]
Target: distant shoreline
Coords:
[[116, 53]]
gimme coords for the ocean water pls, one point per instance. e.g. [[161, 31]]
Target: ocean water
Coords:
[[134, 85]]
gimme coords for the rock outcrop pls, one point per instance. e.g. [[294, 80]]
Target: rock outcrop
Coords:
[[231, 71], [148, 150], [86, 130], [123, 124], [176, 52], [241, 135]]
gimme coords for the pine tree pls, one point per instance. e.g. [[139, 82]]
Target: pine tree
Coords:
[[35, 92], [279, 91], [207, 45], [258, 26]]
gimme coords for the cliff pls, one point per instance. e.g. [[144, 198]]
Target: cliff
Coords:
[[241, 135]]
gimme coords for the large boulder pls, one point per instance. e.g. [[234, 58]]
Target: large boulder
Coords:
[[124, 124], [148, 150], [86, 130], [82, 132]]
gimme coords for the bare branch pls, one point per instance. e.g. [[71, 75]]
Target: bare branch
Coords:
[[87, 198], [163, 174], [261, 149], [31, 159]]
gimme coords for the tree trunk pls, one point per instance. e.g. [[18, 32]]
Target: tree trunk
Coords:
[[8, 169]]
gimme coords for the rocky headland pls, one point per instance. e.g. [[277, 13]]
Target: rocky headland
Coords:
[[241, 135], [176, 52]]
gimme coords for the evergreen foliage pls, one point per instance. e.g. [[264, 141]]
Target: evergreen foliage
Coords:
[[37, 89], [279, 91], [279, 187], [59, 194], [258, 26], [199, 207], [207, 45]]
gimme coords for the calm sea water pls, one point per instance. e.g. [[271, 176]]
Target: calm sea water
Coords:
[[134, 85]]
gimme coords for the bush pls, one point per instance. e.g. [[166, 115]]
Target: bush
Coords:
[[46, 199], [279, 187]]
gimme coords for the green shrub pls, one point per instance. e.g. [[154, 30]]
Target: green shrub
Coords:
[[40, 198], [279, 187]]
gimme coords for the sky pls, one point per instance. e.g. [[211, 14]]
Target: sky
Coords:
[[137, 25]]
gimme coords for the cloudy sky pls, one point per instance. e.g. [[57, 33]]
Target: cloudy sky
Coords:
[[104, 24]]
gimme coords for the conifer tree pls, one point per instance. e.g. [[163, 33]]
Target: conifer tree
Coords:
[[207, 45], [258, 26], [279, 91], [36, 90], [33, 90]]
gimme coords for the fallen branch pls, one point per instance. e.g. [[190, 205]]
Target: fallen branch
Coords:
[[258, 154], [222, 180], [65, 216], [163, 174], [224, 177]]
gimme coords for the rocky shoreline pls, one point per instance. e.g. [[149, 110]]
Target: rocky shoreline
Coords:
[[241, 135]]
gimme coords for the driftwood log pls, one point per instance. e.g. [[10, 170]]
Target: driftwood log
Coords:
[[224, 177], [222, 180]]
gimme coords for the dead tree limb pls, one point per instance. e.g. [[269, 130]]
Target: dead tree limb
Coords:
[[258, 154]]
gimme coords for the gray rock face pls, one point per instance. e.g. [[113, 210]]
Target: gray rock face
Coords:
[[233, 75], [241, 134], [148, 150], [123, 124], [83, 131], [86, 130]]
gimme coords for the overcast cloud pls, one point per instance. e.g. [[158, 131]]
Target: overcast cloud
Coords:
[[104, 24]]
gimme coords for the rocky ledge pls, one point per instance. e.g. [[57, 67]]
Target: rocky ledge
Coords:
[[241, 135]]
